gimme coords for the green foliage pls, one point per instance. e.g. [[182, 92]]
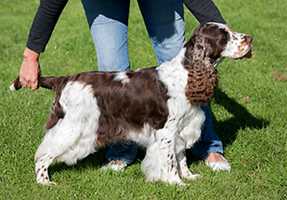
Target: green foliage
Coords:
[[249, 107]]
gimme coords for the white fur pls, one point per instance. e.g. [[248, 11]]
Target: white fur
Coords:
[[145, 137], [189, 118], [73, 137], [12, 87], [235, 47], [122, 76], [183, 124]]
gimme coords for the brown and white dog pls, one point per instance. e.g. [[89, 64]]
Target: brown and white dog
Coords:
[[158, 108]]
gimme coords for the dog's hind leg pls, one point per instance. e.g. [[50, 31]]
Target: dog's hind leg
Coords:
[[41, 170], [57, 141], [73, 135]]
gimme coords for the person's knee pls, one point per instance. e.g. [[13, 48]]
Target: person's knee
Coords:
[[111, 41], [165, 26], [168, 39], [112, 57], [169, 48], [108, 22]]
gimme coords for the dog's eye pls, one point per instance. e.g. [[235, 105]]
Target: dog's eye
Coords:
[[224, 37]]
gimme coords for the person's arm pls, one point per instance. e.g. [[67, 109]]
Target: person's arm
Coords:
[[44, 22], [204, 11], [42, 27]]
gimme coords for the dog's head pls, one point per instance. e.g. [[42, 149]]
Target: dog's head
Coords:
[[208, 44], [215, 40]]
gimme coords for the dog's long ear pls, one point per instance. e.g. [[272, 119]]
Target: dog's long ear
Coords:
[[197, 48], [201, 48]]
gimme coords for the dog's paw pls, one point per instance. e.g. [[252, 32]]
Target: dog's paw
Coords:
[[46, 182], [192, 177], [43, 179], [181, 184], [173, 180]]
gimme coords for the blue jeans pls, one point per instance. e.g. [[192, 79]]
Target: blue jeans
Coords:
[[108, 22]]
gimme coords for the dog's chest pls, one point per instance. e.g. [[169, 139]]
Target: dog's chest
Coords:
[[175, 78], [185, 117]]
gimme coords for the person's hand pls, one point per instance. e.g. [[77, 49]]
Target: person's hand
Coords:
[[30, 70]]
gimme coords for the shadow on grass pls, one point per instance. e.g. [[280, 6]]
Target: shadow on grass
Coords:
[[227, 131], [94, 160]]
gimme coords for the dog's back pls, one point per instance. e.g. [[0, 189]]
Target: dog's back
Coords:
[[126, 100]]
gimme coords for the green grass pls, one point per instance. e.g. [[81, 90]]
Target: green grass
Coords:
[[249, 106]]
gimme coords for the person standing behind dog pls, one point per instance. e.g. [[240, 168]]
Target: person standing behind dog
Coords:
[[108, 22]]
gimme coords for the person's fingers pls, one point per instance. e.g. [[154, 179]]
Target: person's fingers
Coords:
[[29, 74], [34, 85], [31, 84], [23, 81], [28, 84]]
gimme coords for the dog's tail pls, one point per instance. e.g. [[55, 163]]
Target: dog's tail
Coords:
[[48, 82]]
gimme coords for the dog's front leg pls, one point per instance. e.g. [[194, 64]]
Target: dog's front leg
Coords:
[[187, 137], [169, 165], [160, 162], [184, 172]]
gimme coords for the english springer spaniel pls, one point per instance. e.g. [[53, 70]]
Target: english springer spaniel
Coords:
[[158, 107]]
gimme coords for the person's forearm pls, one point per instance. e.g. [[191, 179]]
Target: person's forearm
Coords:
[[204, 11], [43, 24]]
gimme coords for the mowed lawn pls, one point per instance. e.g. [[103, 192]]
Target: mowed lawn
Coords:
[[249, 107]]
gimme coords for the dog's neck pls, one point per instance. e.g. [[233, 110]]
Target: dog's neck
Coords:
[[173, 74], [196, 78]]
